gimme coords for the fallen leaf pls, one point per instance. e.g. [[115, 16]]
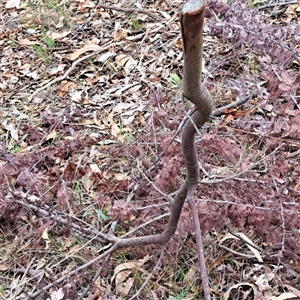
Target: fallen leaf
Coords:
[[121, 34], [27, 42], [58, 35], [243, 236], [227, 294], [86, 48], [65, 87], [124, 270], [45, 237], [283, 296], [94, 168], [12, 3]]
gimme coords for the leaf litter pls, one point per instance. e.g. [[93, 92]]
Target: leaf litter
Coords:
[[88, 98]]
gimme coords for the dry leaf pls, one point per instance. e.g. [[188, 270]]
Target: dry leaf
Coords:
[[57, 295], [227, 294], [45, 237], [13, 132], [27, 42], [120, 34], [190, 275], [283, 296], [94, 168], [59, 35], [121, 176], [86, 48], [52, 135], [12, 3], [243, 236], [122, 272], [65, 87]]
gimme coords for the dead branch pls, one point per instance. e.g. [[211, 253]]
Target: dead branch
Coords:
[[237, 253], [277, 4], [134, 10], [93, 233], [220, 111]]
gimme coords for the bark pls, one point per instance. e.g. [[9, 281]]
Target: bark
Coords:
[[192, 19]]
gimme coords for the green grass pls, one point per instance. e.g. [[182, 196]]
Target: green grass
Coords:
[[175, 81], [42, 53]]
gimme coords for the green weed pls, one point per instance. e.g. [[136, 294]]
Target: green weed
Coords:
[[16, 149], [102, 214], [175, 81], [135, 24], [48, 40], [42, 53]]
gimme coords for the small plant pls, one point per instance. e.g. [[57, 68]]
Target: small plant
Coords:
[[102, 214], [42, 53], [48, 40], [78, 189], [175, 81], [16, 149], [2, 289], [111, 66], [51, 5], [135, 24]]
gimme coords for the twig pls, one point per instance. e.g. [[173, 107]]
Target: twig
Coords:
[[220, 111], [170, 142], [141, 43], [59, 219], [162, 252], [238, 253], [296, 103], [277, 4], [283, 227], [95, 277], [240, 173], [73, 272], [171, 199], [199, 242], [144, 224], [245, 241], [135, 10], [227, 202], [189, 116], [74, 64]]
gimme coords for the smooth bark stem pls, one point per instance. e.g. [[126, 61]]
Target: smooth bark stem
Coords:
[[192, 20]]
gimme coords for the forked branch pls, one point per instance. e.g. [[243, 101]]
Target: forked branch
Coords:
[[192, 19]]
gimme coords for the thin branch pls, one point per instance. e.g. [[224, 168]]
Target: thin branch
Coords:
[[245, 241], [144, 225], [227, 202], [75, 271], [96, 277], [251, 166], [171, 199], [200, 250], [220, 111], [277, 4], [238, 253], [134, 10], [62, 220]]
